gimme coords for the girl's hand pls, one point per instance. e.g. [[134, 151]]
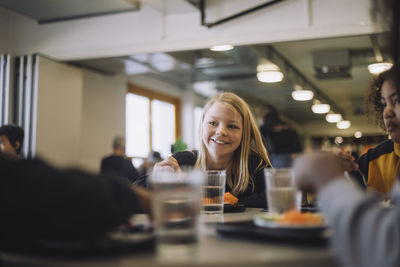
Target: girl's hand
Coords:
[[168, 164]]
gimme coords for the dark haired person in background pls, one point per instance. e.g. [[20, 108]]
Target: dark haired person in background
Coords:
[[117, 163], [281, 138], [11, 139]]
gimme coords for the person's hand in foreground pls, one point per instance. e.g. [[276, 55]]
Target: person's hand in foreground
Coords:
[[315, 170], [168, 164]]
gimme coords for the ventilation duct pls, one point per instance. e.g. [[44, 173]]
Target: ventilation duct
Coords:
[[331, 64]]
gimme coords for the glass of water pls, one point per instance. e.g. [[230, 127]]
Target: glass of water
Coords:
[[282, 194], [176, 207], [213, 192]]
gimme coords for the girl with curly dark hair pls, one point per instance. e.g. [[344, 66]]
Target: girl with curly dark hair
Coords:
[[381, 164], [374, 105]]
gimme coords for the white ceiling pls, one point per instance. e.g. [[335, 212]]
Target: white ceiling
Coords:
[[239, 76]]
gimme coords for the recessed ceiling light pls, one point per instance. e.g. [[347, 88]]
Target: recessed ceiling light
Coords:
[[358, 134], [225, 47], [302, 95], [343, 124], [377, 68], [333, 117], [270, 76], [320, 108]]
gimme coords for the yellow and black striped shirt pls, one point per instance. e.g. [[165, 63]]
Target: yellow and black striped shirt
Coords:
[[380, 165]]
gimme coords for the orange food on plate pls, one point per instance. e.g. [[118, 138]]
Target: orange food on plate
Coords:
[[210, 200], [231, 199], [294, 217]]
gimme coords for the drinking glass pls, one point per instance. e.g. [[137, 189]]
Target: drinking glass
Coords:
[[282, 194], [176, 207], [213, 192]]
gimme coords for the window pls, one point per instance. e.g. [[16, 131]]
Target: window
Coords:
[[137, 126], [152, 122]]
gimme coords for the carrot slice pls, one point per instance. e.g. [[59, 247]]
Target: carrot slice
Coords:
[[231, 199], [294, 217]]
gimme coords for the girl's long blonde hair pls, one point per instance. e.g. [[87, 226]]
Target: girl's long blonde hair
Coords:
[[238, 175]]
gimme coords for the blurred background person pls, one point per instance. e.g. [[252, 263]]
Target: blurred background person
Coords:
[[281, 138], [11, 140], [117, 164]]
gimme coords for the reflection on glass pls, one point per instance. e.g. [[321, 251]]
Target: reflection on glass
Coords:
[[137, 126], [163, 126]]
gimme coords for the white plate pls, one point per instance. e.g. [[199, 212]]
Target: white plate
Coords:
[[269, 220]]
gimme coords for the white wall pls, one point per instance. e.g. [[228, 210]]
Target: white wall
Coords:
[[103, 116], [4, 33], [59, 116], [80, 112], [149, 30]]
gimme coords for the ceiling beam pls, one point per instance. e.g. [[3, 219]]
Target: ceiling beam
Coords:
[[237, 15]]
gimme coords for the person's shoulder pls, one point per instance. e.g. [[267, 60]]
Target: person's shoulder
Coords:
[[186, 158], [107, 158], [385, 147]]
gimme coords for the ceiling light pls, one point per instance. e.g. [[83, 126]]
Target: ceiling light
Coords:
[[270, 76], [300, 94], [333, 117], [221, 47], [320, 108], [339, 139], [358, 134], [343, 124], [377, 68]]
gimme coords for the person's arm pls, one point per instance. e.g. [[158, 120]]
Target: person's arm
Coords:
[[39, 201], [176, 161], [364, 232], [168, 164]]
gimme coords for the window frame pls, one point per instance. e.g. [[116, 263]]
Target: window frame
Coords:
[[153, 95]]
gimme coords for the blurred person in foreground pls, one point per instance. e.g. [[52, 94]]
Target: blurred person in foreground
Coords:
[[231, 141], [11, 140], [365, 233], [42, 202], [117, 164]]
